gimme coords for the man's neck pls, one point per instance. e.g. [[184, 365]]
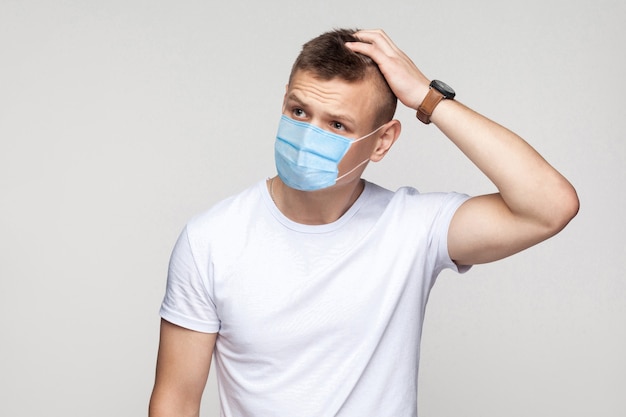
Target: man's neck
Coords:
[[315, 207]]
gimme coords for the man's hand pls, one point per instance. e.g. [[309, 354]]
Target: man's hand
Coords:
[[405, 79]]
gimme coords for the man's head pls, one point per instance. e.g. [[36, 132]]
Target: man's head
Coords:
[[327, 58]]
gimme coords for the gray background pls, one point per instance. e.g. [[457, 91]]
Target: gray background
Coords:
[[119, 120]]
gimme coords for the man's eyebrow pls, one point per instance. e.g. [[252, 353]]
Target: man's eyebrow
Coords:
[[294, 97], [331, 115], [342, 118]]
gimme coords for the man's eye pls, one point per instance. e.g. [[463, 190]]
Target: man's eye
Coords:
[[338, 126], [299, 113]]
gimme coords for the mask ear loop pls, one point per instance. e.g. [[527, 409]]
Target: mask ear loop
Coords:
[[352, 170], [369, 134], [365, 161]]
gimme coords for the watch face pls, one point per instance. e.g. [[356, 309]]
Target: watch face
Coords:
[[443, 88]]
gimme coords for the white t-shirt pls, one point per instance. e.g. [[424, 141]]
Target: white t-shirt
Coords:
[[313, 320]]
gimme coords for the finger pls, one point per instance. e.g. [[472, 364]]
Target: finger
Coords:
[[380, 50], [378, 38], [360, 47], [371, 50]]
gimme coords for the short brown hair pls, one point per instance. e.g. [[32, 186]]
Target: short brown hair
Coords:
[[327, 57]]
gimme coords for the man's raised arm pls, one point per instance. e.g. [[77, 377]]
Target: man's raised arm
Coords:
[[534, 200]]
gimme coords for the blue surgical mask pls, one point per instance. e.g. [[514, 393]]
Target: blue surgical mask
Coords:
[[307, 157]]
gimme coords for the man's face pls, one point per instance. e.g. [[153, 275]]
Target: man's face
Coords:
[[340, 107]]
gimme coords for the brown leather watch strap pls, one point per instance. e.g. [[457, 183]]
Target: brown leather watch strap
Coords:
[[425, 110]]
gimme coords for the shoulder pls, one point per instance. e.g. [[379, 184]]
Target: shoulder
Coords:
[[236, 210], [409, 198], [407, 205]]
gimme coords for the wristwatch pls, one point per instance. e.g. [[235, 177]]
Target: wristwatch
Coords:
[[438, 91]]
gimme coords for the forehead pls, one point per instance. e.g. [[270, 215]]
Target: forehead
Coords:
[[334, 95]]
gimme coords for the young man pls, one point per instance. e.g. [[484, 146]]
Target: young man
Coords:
[[309, 288]]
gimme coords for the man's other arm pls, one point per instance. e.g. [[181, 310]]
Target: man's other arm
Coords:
[[182, 370]]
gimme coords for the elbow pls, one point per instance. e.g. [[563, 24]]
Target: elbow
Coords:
[[565, 206], [574, 204]]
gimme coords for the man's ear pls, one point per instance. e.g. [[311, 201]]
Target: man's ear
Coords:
[[388, 136]]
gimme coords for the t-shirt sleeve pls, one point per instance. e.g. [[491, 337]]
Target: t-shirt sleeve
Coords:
[[188, 302], [451, 202]]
